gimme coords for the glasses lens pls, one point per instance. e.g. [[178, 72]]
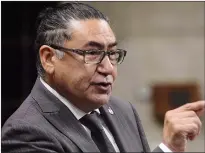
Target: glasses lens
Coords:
[[114, 56], [117, 57], [94, 56]]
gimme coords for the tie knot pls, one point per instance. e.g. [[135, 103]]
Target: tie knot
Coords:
[[92, 121]]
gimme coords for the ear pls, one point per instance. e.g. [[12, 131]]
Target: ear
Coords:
[[47, 57]]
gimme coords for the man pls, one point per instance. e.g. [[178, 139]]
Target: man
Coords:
[[77, 66]]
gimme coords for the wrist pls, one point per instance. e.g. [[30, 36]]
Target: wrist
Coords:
[[173, 148]]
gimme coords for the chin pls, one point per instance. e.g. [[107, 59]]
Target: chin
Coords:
[[100, 99]]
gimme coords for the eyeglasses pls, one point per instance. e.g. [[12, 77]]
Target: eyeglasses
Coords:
[[96, 56]]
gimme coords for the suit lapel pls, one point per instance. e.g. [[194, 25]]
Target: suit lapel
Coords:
[[62, 118], [66, 123], [120, 130]]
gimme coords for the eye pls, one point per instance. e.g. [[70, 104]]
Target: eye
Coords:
[[114, 55], [93, 54]]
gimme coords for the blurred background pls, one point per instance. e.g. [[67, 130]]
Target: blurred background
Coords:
[[164, 67]]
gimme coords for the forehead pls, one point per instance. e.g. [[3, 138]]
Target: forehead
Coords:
[[92, 30]]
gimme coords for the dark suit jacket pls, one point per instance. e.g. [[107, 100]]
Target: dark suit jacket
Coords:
[[43, 124]]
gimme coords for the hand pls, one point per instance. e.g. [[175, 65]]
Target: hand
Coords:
[[182, 124]]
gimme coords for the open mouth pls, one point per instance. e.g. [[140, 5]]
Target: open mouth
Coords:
[[103, 86]]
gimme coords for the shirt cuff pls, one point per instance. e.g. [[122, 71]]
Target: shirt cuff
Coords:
[[164, 148]]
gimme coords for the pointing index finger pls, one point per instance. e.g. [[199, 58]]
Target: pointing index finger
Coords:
[[194, 106]]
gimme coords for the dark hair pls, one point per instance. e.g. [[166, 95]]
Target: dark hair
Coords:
[[54, 27]]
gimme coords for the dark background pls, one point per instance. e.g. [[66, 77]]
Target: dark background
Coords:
[[18, 59]]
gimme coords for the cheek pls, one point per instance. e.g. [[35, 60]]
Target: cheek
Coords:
[[86, 75], [114, 74], [81, 83], [74, 83], [80, 77]]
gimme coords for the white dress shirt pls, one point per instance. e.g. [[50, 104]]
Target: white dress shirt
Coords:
[[79, 114]]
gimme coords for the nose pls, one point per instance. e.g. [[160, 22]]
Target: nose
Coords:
[[105, 67]]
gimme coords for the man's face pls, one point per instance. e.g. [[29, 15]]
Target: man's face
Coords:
[[88, 86]]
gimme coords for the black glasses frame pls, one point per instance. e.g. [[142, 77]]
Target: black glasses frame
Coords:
[[85, 52]]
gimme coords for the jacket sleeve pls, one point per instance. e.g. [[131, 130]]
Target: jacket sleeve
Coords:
[[145, 144], [20, 137]]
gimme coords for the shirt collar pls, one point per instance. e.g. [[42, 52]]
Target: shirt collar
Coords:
[[76, 111]]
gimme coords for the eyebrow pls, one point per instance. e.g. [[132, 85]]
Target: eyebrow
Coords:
[[100, 45]]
